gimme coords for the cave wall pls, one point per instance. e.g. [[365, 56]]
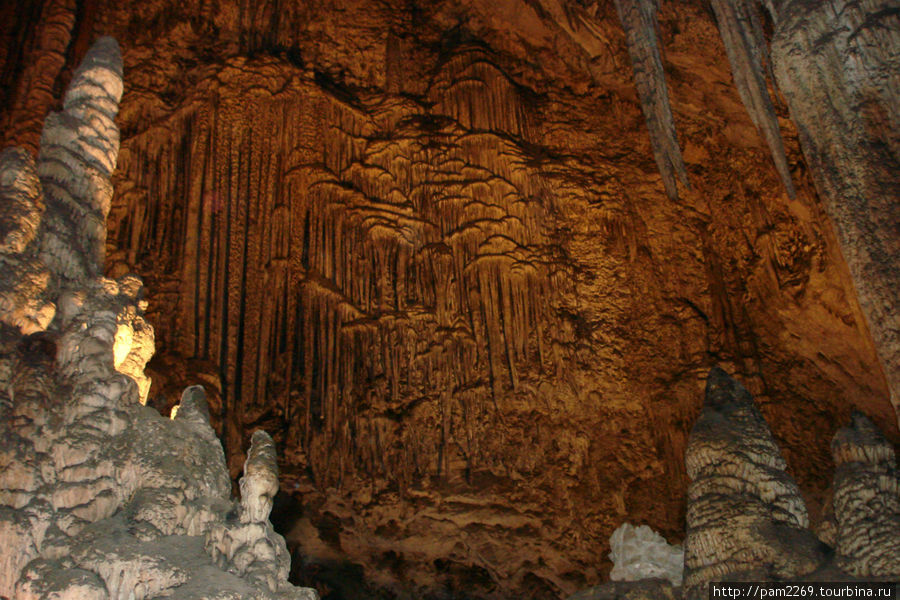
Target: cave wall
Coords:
[[428, 248]]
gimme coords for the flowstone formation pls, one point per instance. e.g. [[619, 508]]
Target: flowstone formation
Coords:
[[100, 496]]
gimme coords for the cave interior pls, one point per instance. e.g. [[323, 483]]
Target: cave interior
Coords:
[[487, 274]]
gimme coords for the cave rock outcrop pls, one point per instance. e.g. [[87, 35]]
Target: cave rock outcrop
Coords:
[[866, 500], [426, 247], [745, 516], [101, 497], [746, 519]]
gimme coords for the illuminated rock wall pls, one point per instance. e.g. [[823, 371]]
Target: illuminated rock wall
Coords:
[[428, 248]]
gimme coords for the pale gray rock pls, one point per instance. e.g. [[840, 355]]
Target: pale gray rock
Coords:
[[79, 147], [641, 553], [260, 481], [101, 497], [24, 288], [745, 516], [866, 500], [247, 545]]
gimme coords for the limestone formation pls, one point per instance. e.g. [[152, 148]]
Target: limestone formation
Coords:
[[866, 501], [425, 246], [100, 496], [78, 154], [641, 553], [745, 517], [838, 66], [247, 545], [260, 481], [740, 25], [639, 21], [25, 305]]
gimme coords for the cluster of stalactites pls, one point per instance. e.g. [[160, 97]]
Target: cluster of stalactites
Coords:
[[740, 26]]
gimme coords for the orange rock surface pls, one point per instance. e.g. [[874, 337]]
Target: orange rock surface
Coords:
[[427, 247]]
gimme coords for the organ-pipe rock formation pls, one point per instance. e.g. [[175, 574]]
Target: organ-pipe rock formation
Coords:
[[426, 247], [101, 497]]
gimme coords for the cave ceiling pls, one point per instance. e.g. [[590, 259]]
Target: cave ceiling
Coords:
[[469, 262]]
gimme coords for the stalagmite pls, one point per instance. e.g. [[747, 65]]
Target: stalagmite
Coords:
[[24, 296], [101, 497], [78, 154], [866, 500], [639, 21], [260, 481], [423, 245], [745, 516]]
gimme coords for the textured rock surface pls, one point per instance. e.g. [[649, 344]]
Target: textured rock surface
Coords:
[[746, 520], [745, 516], [639, 21], [648, 589], [426, 246], [838, 64], [740, 24], [100, 496], [866, 501], [641, 553]]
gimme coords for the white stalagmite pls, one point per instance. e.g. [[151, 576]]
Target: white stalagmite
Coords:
[[101, 497], [745, 515], [24, 297], [260, 481], [78, 154]]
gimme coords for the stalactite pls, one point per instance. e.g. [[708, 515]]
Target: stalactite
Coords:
[[741, 31], [36, 89], [639, 21], [367, 249]]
